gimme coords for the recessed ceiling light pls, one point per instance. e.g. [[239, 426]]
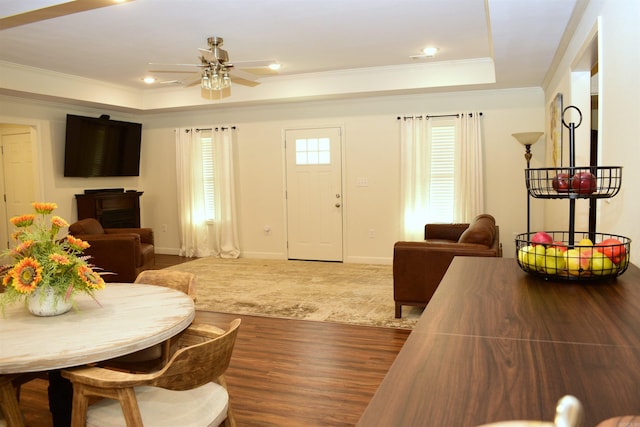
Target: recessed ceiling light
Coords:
[[149, 80], [430, 52], [275, 66]]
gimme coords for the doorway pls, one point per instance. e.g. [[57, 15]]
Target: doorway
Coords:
[[17, 176], [314, 194]]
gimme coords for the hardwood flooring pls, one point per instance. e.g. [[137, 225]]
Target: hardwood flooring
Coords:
[[164, 261], [286, 372]]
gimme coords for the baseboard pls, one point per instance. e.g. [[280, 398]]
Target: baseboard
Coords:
[[263, 255], [167, 251], [369, 260], [280, 255]]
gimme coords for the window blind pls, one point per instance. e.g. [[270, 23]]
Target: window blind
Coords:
[[208, 172], [441, 189]]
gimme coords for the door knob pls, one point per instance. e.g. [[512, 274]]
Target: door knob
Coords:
[[337, 205]]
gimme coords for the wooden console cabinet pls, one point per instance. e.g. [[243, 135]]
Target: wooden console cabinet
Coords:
[[112, 209]]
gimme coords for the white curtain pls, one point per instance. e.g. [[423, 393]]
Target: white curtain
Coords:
[[198, 236], [469, 170], [414, 175], [225, 225]]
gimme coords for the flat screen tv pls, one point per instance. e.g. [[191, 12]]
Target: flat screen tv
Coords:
[[101, 147]]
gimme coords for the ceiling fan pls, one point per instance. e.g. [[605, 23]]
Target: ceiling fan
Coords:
[[216, 72]]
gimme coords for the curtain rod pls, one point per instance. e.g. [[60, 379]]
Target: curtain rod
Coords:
[[217, 128], [223, 128], [429, 117]]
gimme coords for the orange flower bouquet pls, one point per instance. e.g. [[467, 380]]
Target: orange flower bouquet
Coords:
[[42, 262]]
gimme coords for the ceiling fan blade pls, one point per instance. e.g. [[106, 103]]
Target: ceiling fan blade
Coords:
[[243, 82], [176, 65], [234, 72], [194, 82], [173, 71], [254, 64], [261, 71], [54, 11]]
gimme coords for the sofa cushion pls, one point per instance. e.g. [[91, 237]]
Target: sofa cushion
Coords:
[[481, 231]]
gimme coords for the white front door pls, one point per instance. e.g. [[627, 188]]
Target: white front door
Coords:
[[314, 194], [18, 179]]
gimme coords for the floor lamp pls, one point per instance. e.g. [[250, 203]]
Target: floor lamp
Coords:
[[528, 139]]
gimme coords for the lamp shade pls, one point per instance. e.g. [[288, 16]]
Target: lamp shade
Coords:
[[527, 138]]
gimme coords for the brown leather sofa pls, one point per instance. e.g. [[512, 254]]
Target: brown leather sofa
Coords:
[[418, 267], [124, 252]]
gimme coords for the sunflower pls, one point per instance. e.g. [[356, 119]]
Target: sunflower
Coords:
[[23, 220], [26, 275], [90, 277]]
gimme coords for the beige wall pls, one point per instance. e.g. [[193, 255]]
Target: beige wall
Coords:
[[612, 28], [370, 148]]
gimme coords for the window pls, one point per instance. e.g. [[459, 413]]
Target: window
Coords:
[[313, 151], [441, 188], [208, 172]]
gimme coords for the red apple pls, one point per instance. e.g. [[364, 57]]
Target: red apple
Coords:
[[541, 238], [613, 249], [583, 183], [560, 182]]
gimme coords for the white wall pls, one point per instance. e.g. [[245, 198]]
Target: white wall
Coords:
[[371, 150], [615, 23]]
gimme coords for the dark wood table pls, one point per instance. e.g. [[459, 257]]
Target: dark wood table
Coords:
[[496, 344]]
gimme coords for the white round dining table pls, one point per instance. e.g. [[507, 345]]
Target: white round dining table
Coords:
[[123, 318]]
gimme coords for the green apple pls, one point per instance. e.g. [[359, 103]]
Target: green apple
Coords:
[[572, 261], [537, 258], [601, 265], [585, 242], [554, 260], [523, 255], [585, 246]]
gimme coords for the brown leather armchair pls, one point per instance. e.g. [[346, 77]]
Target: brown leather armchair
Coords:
[[125, 252], [418, 267]]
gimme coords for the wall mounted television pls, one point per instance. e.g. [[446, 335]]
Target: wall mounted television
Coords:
[[101, 147]]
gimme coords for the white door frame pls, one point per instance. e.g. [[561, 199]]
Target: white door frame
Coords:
[[345, 206]]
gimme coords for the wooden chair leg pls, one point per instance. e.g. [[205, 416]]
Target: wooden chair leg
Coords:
[[9, 402], [79, 407], [230, 421], [129, 405]]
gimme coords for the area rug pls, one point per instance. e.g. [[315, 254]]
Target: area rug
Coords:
[[359, 294]]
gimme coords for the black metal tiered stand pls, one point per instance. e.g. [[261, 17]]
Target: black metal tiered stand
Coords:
[[599, 182]]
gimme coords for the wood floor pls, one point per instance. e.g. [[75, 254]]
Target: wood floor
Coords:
[[286, 372]]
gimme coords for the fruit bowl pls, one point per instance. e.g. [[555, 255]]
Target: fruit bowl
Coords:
[[553, 257], [576, 182]]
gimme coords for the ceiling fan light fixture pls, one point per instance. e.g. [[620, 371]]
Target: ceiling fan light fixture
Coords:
[[205, 83], [226, 80]]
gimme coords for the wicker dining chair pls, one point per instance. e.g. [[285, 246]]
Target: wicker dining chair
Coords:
[[10, 413], [156, 356], [189, 390]]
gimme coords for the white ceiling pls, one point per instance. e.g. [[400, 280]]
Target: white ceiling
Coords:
[[341, 47]]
